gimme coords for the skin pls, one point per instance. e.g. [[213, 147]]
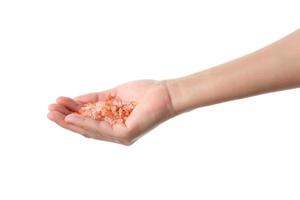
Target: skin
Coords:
[[154, 107], [273, 68]]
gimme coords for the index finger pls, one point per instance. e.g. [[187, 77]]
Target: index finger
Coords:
[[92, 97], [69, 103]]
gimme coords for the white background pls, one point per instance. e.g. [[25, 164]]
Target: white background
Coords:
[[245, 149]]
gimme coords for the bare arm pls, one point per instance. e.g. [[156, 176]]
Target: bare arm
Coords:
[[273, 68]]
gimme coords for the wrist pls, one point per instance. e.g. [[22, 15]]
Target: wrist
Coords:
[[192, 91], [179, 91], [173, 89]]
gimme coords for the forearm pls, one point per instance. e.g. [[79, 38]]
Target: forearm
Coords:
[[273, 68]]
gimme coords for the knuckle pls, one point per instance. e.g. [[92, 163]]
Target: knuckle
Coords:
[[127, 138], [123, 136], [86, 135], [126, 142]]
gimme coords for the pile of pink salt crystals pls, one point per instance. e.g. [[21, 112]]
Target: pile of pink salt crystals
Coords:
[[113, 110]]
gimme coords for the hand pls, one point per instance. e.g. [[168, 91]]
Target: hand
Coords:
[[153, 107]]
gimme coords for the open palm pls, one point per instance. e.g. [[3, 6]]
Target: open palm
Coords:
[[153, 107]]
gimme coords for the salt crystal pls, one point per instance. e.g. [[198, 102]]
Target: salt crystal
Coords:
[[113, 110]]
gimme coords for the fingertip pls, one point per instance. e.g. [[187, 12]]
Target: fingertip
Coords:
[[52, 116], [51, 106], [61, 99]]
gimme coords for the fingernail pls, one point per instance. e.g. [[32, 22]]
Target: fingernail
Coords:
[[71, 118]]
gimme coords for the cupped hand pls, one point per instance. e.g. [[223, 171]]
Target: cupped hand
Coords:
[[154, 106]]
